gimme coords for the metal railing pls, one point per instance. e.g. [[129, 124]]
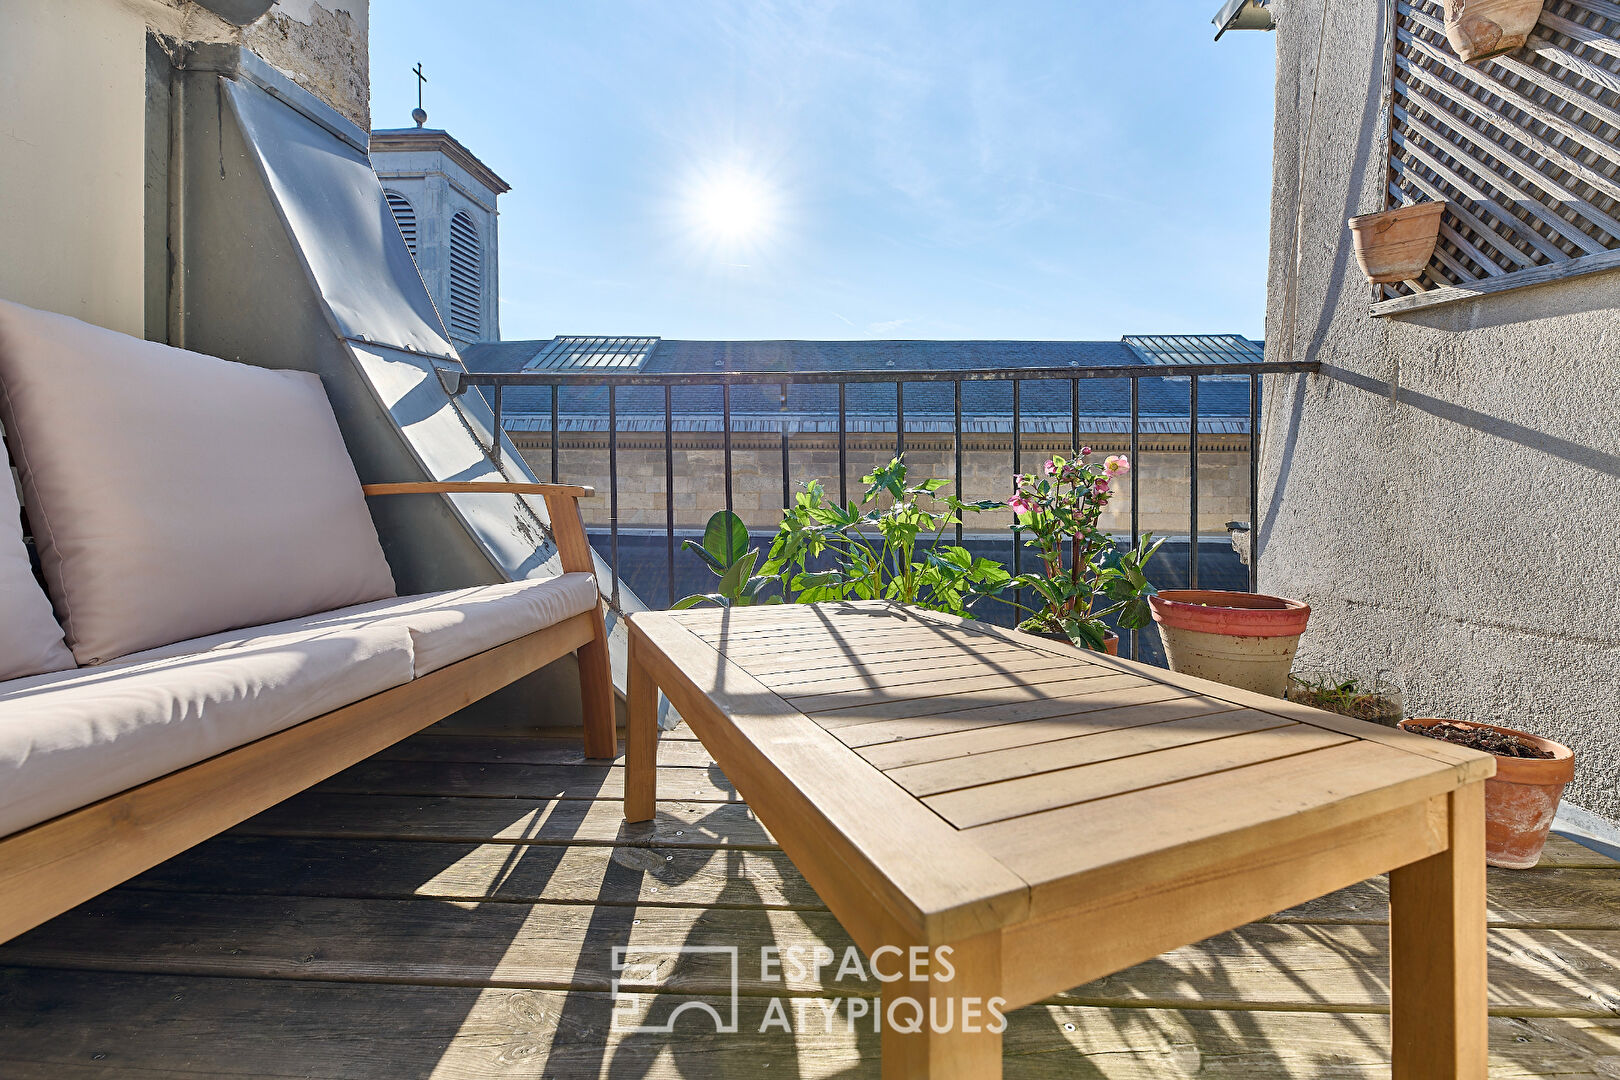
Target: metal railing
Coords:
[[560, 381]]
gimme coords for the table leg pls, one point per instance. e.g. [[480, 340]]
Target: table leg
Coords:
[[959, 1037], [1437, 952], [640, 736]]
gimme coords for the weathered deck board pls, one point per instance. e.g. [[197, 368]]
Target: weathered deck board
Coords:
[[448, 909], [131, 1025], [694, 871]]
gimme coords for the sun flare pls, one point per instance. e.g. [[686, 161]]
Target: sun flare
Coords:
[[732, 207]]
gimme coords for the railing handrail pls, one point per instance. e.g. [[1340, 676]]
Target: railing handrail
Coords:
[[460, 381], [882, 375]]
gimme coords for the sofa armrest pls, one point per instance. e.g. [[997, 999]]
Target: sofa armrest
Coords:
[[562, 505]]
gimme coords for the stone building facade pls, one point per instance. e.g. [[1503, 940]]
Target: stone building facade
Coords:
[[1163, 471]]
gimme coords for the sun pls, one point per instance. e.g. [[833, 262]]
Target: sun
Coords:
[[731, 208]]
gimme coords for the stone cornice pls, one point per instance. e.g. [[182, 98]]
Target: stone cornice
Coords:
[[421, 140]]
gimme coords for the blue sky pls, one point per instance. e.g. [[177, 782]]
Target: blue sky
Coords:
[[939, 169]]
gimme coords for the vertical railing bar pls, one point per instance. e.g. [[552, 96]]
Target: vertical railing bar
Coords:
[[787, 483], [669, 485], [556, 389], [957, 388], [1192, 462], [843, 449], [725, 416], [899, 419], [1074, 417], [613, 487], [495, 432], [1254, 482], [1136, 502], [1018, 469]]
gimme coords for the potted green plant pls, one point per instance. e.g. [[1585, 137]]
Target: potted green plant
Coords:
[[725, 551], [1374, 699], [1521, 800], [890, 546], [1084, 576], [1246, 640]]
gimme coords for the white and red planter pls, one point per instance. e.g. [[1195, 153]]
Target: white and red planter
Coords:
[[1246, 640]]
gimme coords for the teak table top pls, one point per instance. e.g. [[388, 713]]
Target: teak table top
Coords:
[[971, 777]]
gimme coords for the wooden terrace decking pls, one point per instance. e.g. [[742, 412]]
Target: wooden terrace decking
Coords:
[[448, 909]]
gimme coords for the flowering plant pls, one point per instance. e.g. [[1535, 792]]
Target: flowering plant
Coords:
[[1057, 511]]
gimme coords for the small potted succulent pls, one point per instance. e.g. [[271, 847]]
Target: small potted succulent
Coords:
[[1084, 577], [1521, 800], [1372, 699]]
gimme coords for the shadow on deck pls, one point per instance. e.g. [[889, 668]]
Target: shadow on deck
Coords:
[[451, 907]]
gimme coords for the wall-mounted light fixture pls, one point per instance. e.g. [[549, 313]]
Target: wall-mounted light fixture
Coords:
[[1244, 15]]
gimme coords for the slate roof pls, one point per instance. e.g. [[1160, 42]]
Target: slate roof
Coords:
[[986, 406]]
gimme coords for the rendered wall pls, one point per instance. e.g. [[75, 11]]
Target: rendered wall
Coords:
[[72, 155], [75, 187], [1446, 493]]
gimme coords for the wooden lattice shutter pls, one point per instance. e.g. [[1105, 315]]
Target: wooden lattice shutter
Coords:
[[1522, 147]]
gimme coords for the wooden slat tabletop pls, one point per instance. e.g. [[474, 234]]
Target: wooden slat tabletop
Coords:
[[1025, 747]]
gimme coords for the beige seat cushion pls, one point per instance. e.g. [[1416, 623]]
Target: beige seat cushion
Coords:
[[71, 738], [173, 494], [444, 627], [30, 639]]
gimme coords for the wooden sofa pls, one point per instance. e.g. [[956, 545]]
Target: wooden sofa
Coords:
[[419, 658]]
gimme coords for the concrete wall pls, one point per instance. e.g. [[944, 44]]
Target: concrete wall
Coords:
[[1446, 493], [1164, 476], [72, 146], [73, 134]]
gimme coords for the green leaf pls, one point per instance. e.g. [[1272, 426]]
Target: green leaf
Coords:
[[690, 601], [1087, 634], [708, 560], [725, 538], [741, 570]]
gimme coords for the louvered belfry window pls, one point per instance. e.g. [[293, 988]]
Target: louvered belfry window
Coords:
[[1522, 147], [404, 217], [466, 278]]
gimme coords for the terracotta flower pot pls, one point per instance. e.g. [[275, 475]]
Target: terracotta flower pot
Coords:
[[1396, 245], [1521, 799], [1110, 643], [1481, 29], [1244, 640]]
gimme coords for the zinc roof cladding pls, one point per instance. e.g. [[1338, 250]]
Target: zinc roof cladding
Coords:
[[810, 406]]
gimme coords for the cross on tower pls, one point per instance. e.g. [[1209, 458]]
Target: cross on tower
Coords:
[[419, 114]]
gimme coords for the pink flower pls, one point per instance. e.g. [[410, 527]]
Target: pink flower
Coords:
[[1085, 451], [1101, 486], [1020, 505], [1051, 467], [1118, 465]]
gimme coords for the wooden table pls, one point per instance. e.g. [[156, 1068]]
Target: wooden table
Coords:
[[1054, 816]]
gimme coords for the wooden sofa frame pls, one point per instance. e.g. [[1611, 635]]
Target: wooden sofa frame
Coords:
[[60, 863]]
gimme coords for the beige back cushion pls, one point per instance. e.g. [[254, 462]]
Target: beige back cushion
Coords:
[[30, 639], [173, 494]]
